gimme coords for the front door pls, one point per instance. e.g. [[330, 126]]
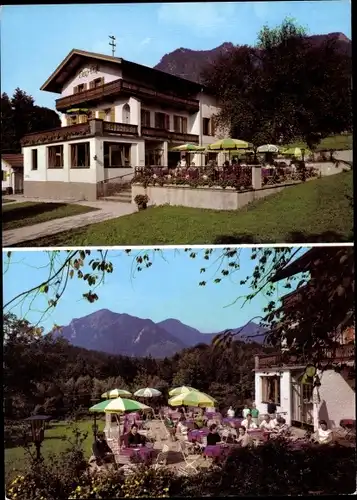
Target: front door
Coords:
[[302, 405], [18, 183]]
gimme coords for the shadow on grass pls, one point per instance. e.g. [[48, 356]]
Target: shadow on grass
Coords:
[[20, 212], [293, 237]]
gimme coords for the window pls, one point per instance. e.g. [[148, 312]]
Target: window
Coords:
[[96, 83], [162, 121], [80, 155], [34, 164], [145, 118], [126, 113], [206, 126], [180, 124], [3, 175], [55, 157], [116, 155], [82, 87], [101, 114], [271, 389]]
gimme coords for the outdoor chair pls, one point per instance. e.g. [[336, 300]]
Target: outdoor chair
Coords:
[[161, 459], [189, 459]]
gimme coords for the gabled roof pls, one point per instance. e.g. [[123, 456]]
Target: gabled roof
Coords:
[[14, 159], [76, 58]]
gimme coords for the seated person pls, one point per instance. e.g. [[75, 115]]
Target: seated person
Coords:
[[323, 435], [134, 438], [281, 427], [268, 423], [182, 427], [231, 413], [248, 422], [213, 437], [243, 437], [200, 421], [170, 426], [101, 449]]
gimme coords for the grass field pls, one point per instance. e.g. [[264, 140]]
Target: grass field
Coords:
[[7, 200], [337, 142], [320, 210], [55, 442], [29, 213]]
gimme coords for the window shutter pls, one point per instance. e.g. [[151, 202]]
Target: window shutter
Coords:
[[213, 127], [101, 114], [102, 81], [84, 86], [157, 125], [91, 84], [167, 122], [184, 125], [112, 115], [83, 118], [75, 89], [176, 124]]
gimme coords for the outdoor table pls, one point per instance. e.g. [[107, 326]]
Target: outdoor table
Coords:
[[232, 420], [216, 451], [143, 453], [197, 434]]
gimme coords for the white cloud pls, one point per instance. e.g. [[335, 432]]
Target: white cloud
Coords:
[[202, 18], [146, 41]]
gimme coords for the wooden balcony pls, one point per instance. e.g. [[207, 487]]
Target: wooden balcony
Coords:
[[123, 87], [57, 135], [343, 353], [119, 129], [162, 134], [94, 128]]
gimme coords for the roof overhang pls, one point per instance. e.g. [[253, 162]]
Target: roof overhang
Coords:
[[75, 59], [301, 264]]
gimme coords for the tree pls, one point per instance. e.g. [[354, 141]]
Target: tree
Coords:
[[279, 91], [20, 116]]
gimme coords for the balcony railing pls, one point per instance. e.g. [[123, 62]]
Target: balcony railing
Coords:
[[119, 128], [159, 133], [342, 353], [56, 135], [93, 128], [124, 87]]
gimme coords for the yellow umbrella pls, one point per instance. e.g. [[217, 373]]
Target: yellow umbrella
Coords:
[[229, 145], [180, 390], [192, 398]]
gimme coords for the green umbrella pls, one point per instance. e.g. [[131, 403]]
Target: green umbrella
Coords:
[[192, 398], [115, 393], [100, 407], [75, 111], [188, 147], [297, 152], [229, 145], [119, 405]]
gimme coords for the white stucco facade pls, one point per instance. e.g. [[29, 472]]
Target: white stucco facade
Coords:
[[90, 71], [11, 177], [335, 399]]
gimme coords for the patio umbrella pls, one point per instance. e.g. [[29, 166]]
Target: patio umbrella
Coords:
[[181, 390], [192, 398], [147, 392], [115, 393], [268, 148], [297, 152], [121, 405], [75, 111], [188, 147], [229, 145]]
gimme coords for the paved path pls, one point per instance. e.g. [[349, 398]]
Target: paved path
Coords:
[[107, 210]]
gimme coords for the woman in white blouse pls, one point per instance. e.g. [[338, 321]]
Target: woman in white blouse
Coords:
[[248, 423], [268, 424], [323, 434]]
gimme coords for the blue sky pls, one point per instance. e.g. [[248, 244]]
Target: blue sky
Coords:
[[169, 289], [36, 38]]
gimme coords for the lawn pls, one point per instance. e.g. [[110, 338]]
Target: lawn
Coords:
[[7, 200], [318, 211], [336, 142], [29, 213], [55, 442]]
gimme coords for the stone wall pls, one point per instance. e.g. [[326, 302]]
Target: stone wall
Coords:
[[211, 198]]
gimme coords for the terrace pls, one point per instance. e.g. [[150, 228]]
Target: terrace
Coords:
[[342, 354]]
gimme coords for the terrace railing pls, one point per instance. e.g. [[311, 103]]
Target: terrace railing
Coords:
[[235, 178], [283, 175]]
